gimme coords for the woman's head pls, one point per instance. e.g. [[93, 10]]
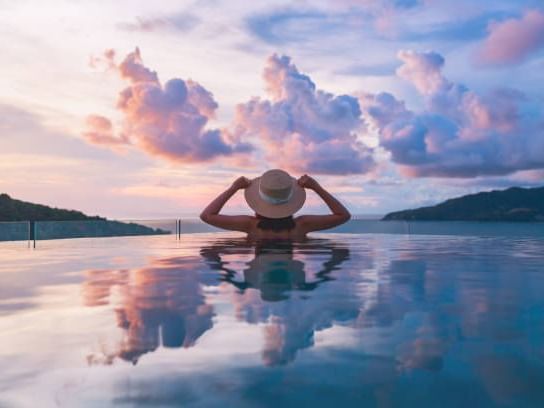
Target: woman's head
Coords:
[[275, 194]]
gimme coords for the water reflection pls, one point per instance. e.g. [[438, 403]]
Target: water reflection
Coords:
[[161, 304], [164, 302], [273, 289], [410, 311], [402, 321], [274, 271]]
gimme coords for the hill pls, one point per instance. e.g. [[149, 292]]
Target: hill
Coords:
[[55, 223], [513, 204], [17, 210]]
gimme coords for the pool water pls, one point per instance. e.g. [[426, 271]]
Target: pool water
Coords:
[[213, 321]]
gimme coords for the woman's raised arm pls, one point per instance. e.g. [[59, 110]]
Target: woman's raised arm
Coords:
[[340, 214], [210, 214]]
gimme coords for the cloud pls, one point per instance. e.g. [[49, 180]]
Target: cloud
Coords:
[[350, 22], [183, 22], [288, 25], [513, 41], [459, 133], [100, 131], [105, 61], [292, 25], [26, 132], [167, 121], [175, 316], [423, 70], [454, 30], [133, 69], [301, 128]]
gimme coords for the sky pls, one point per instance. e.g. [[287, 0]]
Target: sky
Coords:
[[134, 110]]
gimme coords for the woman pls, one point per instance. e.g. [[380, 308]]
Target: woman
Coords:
[[275, 197]]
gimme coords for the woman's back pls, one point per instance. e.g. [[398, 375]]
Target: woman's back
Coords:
[[266, 228], [278, 196]]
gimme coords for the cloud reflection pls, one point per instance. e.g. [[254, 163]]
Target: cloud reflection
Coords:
[[161, 304], [390, 309], [404, 320], [275, 287]]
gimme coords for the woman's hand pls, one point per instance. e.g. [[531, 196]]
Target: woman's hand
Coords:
[[307, 182], [241, 183]]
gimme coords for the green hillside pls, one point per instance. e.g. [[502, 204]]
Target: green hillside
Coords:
[[513, 204], [56, 223], [17, 210]]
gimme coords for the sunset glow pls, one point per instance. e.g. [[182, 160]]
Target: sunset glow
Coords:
[[131, 110]]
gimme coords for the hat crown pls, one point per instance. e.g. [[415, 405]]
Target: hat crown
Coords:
[[275, 194], [277, 185]]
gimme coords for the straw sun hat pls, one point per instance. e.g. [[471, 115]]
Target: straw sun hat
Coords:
[[275, 194]]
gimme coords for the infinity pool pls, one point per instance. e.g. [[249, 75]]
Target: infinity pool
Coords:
[[213, 321]]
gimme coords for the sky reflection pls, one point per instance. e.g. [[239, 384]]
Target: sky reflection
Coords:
[[377, 319], [160, 304], [274, 287]]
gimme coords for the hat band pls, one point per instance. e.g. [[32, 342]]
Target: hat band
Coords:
[[273, 200]]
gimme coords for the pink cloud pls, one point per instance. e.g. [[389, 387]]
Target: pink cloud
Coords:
[[514, 40], [165, 120], [459, 133], [106, 60], [133, 69], [160, 304], [423, 70], [301, 128], [99, 130]]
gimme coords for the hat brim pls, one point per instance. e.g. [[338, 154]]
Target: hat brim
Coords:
[[261, 207]]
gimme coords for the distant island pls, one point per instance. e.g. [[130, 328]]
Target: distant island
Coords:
[[69, 223], [513, 204]]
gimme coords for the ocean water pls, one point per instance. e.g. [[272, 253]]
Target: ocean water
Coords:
[[383, 320]]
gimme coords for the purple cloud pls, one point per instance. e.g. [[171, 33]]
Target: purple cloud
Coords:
[[301, 128], [459, 133], [423, 70], [167, 120], [513, 41]]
